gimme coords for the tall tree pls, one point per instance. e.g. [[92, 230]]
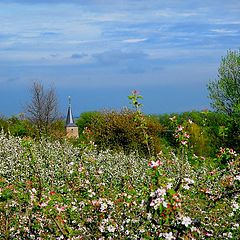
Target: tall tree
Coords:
[[225, 95], [225, 91], [42, 110]]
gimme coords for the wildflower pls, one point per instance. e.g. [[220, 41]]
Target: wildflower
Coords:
[[235, 226], [184, 142], [186, 221], [169, 186], [34, 190], [135, 92], [169, 236], [186, 135], [161, 192], [91, 193], [43, 204], [186, 187], [153, 164], [101, 228], [180, 128], [103, 207], [190, 121], [165, 204], [232, 152], [228, 235], [111, 228], [237, 177], [189, 181], [59, 209], [235, 206]]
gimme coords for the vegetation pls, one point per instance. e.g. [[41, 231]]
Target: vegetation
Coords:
[[42, 111], [52, 190], [128, 176], [225, 91]]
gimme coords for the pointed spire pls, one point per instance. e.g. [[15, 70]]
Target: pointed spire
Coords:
[[70, 120]]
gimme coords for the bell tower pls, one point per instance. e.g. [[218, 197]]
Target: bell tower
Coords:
[[70, 126]]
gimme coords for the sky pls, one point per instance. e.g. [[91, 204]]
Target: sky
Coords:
[[98, 51]]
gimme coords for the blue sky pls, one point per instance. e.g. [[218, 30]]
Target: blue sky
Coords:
[[97, 51]]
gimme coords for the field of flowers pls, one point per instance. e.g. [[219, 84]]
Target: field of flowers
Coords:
[[54, 190]]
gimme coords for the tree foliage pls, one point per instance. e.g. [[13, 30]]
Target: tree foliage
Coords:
[[225, 91]]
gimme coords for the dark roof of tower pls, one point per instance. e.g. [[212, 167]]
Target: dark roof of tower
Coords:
[[69, 119]]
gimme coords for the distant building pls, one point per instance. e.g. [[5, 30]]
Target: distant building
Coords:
[[70, 126]]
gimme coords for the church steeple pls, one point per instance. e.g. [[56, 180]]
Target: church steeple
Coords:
[[71, 127], [69, 119]]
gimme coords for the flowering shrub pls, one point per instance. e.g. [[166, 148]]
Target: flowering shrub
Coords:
[[52, 190]]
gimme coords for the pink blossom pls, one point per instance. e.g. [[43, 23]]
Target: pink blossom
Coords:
[[153, 164], [180, 128], [183, 142], [135, 92], [186, 135], [59, 209]]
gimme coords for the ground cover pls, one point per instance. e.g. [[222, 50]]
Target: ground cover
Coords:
[[54, 190]]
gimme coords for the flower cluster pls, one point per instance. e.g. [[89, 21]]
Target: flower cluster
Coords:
[[52, 190], [182, 136]]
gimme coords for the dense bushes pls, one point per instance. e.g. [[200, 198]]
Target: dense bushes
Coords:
[[20, 127], [209, 132], [122, 131]]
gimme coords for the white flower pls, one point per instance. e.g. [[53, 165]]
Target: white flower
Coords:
[[103, 207], [186, 187], [189, 181], [235, 206], [161, 192], [229, 235], [165, 204], [34, 190], [237, 177], [101, 228], [169, 236], [236, 225], [111, 228], [91, 193], [186, 221]]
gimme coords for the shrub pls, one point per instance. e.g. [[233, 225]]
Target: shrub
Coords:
[[121, 131], [209, 132]]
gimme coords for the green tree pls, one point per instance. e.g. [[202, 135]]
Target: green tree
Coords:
[[225, 91], [225, 94]]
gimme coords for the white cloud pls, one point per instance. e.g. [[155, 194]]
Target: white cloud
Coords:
[[134, 40], [224, 31]]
